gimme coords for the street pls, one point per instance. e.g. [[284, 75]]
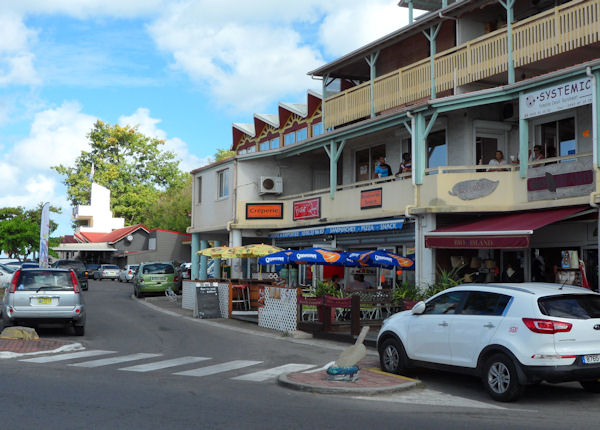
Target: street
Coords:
[[143, 368]]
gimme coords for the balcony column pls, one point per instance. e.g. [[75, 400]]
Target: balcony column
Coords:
[[420, 133], [217, 263], [431, 36], [195, 256], [236, 263], [508, 5], [425, 257], [203, 261], [523, 147], [410, 12], [324, 96], [371, 61], [334, 153]]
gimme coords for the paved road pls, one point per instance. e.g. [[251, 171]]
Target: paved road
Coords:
[[145, 369]]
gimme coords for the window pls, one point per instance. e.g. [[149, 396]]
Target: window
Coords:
[[558, 136], [483, 303], [289, 138], [445, 304], [242, 151], [301, 134], [264, 146], [252, 148], [437, 150], [366, 160], [223, 184], [199, 189], [317, 129], [577, 306], [274, 143]]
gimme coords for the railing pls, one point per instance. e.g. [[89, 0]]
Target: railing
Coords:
[[555, 31]]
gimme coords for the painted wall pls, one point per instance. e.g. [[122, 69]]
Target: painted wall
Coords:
[[139, 242], [212, 212], [169, 247]]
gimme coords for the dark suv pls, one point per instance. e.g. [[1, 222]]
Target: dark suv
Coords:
[[78, 267]]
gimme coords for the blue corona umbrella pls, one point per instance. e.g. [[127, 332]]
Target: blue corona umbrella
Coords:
[[319, 256], [281, 257], [385, 260]]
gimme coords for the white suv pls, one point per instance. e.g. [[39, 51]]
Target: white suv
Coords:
[[510, 335]]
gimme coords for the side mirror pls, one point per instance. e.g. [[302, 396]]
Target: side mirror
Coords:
[[419, 308]]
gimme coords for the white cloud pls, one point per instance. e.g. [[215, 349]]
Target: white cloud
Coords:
[[16, 60], [149, 126]]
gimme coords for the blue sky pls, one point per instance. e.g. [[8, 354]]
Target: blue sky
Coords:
[[182, 70]]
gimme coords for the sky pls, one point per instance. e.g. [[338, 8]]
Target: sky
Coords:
[[181, 70]]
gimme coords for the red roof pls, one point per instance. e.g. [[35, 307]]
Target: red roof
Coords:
[[118, 234]]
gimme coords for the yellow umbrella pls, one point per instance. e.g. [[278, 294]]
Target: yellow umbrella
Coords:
[[256, 250], [214, 252], [231, 253]]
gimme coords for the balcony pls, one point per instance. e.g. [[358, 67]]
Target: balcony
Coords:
[[550, 33], [396, 193]]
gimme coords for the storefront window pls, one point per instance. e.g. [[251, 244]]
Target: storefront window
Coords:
[[558, 138]]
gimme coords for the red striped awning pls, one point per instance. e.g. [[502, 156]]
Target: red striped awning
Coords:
[[499, 232]]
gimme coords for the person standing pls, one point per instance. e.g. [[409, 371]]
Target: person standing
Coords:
[[497, 161], [406, 165], [382, 170]]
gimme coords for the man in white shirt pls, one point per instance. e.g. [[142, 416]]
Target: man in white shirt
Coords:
[[499, 160]]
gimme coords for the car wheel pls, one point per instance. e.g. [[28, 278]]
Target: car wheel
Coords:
[[392, 357], [500, 378], [591, 386]]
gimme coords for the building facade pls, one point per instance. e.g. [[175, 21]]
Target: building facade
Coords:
[[451, 89]]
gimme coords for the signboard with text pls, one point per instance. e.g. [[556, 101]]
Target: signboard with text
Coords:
[[556, 98], [307, 209], [477, 242], [264, 210], [371, 198]]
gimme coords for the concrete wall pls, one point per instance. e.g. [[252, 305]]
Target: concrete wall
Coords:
[[212, 212], [139, 242], [169, 247]]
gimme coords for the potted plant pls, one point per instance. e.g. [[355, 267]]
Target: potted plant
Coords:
[[406, 295]]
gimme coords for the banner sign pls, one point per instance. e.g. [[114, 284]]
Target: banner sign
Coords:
[[370, 199], [556, 98], [477, 242], [264, 210], [307, 209], [44, 232], [341, 229]]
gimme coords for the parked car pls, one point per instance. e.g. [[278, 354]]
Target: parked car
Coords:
[[155, 277], [6, 274], [183, 271], [44, 296], [107, 271], [79, 269], [92, 269], [127, 273], [510, 335]]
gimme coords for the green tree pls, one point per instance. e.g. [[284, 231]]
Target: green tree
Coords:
[[20, 230], [223, 154], [128, 163], [171, 211]]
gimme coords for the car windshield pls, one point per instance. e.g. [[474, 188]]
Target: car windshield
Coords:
[[33, 280], [70, 265], [158, 268], [9, 269], [110, 266], [577, 306]]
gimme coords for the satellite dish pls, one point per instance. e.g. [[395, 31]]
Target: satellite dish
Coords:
[[129, 238]]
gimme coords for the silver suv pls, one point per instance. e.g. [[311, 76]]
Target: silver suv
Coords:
[[510, 335], [44, 296]]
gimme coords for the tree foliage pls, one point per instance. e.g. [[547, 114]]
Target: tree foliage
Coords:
[[171, 211], [223, 154], [20, 230], [131, 165]]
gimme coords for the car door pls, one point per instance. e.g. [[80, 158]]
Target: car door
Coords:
[[473, 329], [428, 334]]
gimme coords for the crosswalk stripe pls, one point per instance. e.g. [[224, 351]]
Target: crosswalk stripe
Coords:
[[164, 364], [71, 356], [114, 360], [263, 375], [218, 368]]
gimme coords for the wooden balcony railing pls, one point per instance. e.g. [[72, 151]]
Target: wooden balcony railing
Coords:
[[555, 31]]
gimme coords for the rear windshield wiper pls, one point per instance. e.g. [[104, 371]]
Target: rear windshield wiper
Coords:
[[45, 287]]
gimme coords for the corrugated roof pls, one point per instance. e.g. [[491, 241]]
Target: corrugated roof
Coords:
[[297, 108], [268, 118], [245, 128]]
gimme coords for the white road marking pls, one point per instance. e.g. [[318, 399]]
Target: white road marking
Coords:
[[114, 360], [62, 357], [218, 368], [430, 397], [164, 364], [263, 375]]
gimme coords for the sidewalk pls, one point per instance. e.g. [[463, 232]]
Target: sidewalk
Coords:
[[371, 380], [10, 348]]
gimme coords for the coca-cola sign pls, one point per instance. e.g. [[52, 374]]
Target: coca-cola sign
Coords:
[[307, 209]]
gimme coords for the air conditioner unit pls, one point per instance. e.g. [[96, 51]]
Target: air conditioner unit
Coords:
[[271, 185]]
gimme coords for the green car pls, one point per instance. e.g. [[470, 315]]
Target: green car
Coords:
[[154, 277]]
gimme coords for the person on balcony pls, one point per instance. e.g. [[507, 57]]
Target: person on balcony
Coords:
[[498, 161], [406, 165], [537, 155], [382, 170]]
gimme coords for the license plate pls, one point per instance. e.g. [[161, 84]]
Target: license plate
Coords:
[[159, 278], [44, 301], [591, 359]]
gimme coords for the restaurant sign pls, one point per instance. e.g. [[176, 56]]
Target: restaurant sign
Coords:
[[370, 199], [395, 224], [477, 242], [559, 97], [307, 209], [264, 210]]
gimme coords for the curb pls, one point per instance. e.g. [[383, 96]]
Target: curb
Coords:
[[408, 383]]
